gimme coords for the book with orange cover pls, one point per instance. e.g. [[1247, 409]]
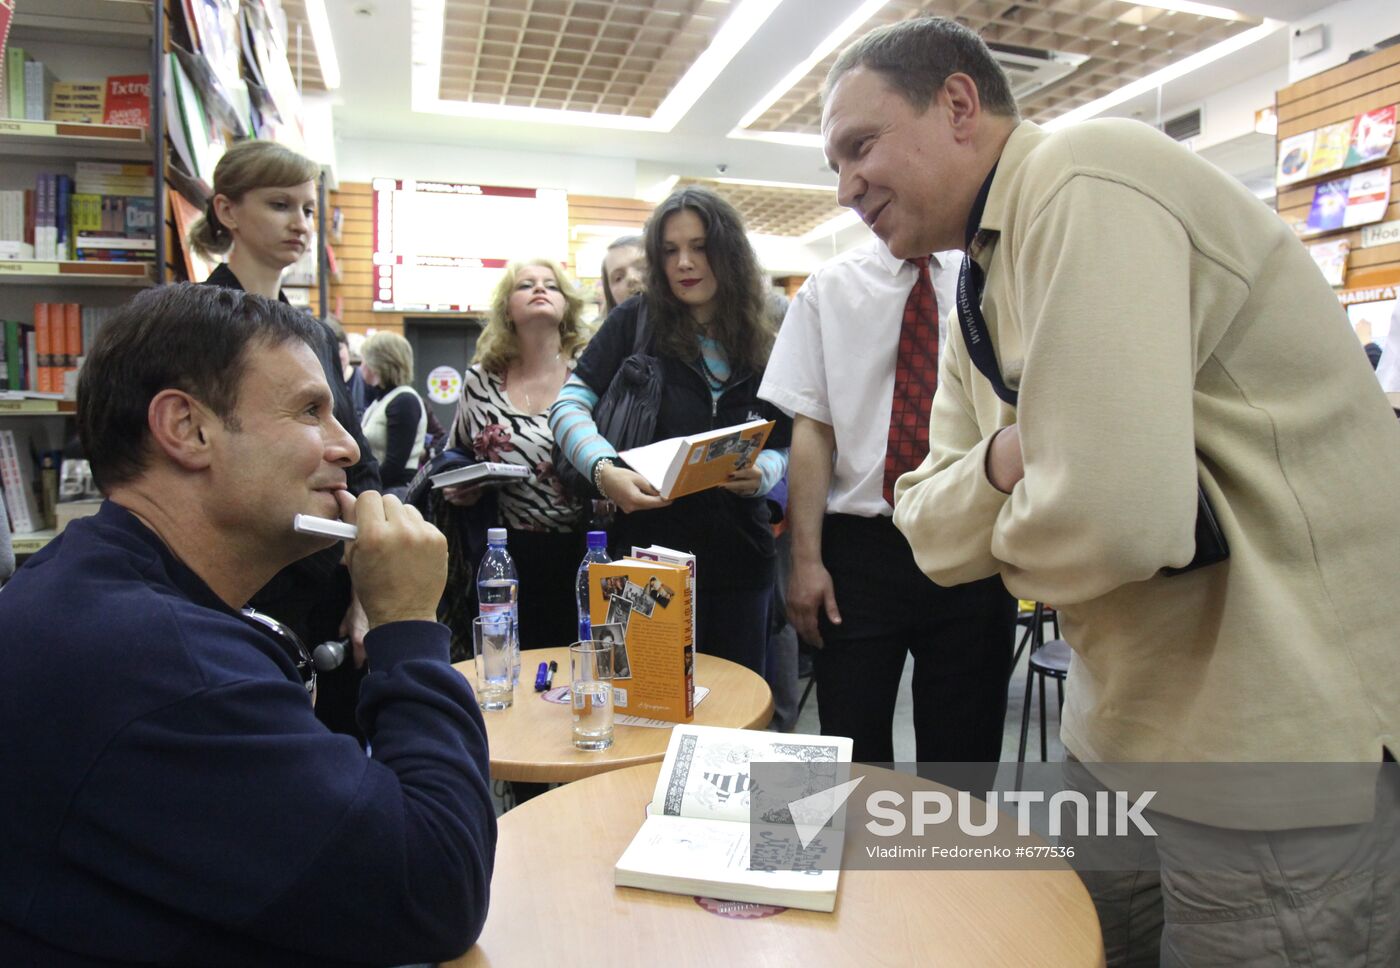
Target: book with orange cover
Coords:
[[72, 336], [646, 609], [44, 347], [683, 465]]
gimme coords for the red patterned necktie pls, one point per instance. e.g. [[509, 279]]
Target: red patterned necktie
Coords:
[[915, 379]]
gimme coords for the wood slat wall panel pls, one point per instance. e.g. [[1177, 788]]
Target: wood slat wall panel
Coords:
[[1338, 75], [1326, 98], [1340, 111]]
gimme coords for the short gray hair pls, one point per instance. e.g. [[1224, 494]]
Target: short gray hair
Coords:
[[916, 56]]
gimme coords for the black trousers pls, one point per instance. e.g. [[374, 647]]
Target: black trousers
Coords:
[[961, 639], [547, 563]]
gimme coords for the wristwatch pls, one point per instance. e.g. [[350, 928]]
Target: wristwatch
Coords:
[[598, 467]]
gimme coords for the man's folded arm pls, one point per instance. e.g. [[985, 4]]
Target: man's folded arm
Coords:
[[1105, 408], [288, 833]]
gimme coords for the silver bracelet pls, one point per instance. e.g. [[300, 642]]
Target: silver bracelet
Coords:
[[598, 474]]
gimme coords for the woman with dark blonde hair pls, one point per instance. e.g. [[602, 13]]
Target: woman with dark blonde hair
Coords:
[[705, 312], [396, 423], [523, 356], [262, 218]]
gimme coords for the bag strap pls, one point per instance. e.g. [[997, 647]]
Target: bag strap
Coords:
[[641, 341]]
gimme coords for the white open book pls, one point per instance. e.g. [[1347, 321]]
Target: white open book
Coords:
[[695, 839]]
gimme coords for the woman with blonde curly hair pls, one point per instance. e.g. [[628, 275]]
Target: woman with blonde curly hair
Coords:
[[524, 354]]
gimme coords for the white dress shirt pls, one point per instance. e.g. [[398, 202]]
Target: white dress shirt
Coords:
[[1388, 370], [834, 361]]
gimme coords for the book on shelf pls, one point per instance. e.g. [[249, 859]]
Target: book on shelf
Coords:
[[128, 101], [1330, 148], [646, 609], [14, 82], [7, 14], [80, 101], [684, 465], [38, 82], [696, 838], [17, 477], [485, 472]]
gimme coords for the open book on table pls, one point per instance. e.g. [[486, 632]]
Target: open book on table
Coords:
[[683, 465], [482, 473], [696, 837]]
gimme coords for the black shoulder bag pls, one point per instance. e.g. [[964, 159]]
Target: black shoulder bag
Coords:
[[1211, 546], [626, 412]]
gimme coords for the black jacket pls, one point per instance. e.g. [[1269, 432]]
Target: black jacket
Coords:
[[731, 537]]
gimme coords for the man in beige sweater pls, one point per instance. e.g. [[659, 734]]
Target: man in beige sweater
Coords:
[[1156, 326]]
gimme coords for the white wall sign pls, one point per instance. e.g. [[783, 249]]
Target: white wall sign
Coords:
[[1383, 233], [444, 384]]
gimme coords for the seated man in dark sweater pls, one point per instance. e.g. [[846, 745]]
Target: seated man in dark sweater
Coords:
[[170, 797]]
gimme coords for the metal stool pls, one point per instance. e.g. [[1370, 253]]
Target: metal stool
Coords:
[[1046, 660]]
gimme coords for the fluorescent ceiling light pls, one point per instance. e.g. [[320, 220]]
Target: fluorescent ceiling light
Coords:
[[1169, 73], [847, 27], [657, 193], [740, 26], [831, 226], [1188, 6], [779, 138], [760, 183], [325, 46]]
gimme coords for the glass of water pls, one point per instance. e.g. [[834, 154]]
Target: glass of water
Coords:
[[495, 640], [591, 665]]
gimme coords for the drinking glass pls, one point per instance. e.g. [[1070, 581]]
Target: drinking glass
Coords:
[[591, 666]]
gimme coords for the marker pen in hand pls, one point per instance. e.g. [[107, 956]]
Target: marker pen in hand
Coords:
[[324, 527]]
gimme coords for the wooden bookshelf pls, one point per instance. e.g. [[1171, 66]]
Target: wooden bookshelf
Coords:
[[63, 139], [36, 407], [35, 273], [27, 544]]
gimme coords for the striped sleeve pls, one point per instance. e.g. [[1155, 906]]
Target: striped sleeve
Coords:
[[571, 422], [772, 465]]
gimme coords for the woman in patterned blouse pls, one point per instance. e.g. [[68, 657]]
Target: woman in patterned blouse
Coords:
[[525, 353]]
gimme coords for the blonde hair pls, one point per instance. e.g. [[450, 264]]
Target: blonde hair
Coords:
[[391, 357], [497, 346], [244, 167]]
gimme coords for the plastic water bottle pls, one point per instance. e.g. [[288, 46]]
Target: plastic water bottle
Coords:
[[498, 590], [597, 551]]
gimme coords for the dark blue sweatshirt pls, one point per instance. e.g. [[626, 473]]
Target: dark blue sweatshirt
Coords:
[[168, 797]]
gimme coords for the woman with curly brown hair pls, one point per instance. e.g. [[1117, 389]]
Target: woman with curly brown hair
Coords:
[[706, 323], [525, 353]]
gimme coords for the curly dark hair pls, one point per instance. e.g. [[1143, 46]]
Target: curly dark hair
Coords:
[[740, 320]]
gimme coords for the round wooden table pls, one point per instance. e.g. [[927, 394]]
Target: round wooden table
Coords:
[[531, 742], [553, 900]]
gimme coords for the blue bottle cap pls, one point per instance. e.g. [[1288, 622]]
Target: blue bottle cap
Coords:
[[597, 539]]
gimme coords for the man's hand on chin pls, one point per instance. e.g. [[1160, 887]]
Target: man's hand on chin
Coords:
[[398, 563]]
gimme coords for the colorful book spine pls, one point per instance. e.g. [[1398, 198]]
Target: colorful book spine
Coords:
[[19, 489], [72, 335], [43, 346]]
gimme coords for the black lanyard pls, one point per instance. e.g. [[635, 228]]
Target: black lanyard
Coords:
[[971, 283]]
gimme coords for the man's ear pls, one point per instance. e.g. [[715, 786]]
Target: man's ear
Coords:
[[961, 100], [180, 428]]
